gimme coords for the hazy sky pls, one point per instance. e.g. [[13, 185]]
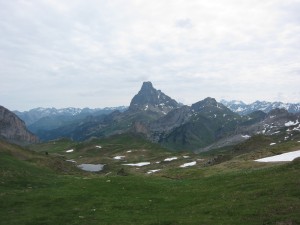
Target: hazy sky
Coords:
[[88, 53]]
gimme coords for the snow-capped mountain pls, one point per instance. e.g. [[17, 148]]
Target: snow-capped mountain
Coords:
[[244, 109], [33, 115]]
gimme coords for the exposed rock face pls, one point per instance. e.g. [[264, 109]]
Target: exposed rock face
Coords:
[[13, 129], [166, 124], [150, 99], [278, 122]]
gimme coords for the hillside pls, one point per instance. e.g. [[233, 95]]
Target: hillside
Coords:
[[234, 191]]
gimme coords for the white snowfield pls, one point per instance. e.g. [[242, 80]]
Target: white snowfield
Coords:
[[153, 171], [71, 150], [138, 164], [71, 160], [246, 136], [291, 123], [285, 157], [98, 146], [297, 128], [119, 157], [170, 159], [189, 164]]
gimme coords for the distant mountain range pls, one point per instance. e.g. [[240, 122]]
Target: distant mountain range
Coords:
[[205, 125], [41, 119], [33, 115], [244, 109]]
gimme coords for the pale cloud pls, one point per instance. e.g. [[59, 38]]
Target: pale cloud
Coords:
[[96, 53]]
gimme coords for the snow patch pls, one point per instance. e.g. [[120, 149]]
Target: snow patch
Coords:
[[189, 164], [239, 109], [273, 144], [246, 136], [71, 160], [285, 157], [98, 146], [170, 159], [71, 150], [137, 164], [119, 157], [186, 156], [297, 128], [129, 151], [291, 123], [152, 171]]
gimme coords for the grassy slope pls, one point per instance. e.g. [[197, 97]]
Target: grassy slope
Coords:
[[31, 193], [134, 148]]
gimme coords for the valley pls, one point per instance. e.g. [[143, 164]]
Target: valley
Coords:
[[42, 189], [149, 112], [155, 162]]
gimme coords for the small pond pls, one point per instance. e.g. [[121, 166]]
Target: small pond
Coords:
[[91, 167]]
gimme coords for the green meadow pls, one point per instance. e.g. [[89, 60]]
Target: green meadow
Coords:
[[39, 189]]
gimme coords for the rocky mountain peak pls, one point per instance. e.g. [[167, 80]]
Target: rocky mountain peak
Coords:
[[207, 102], [147, 85], [148, 98]]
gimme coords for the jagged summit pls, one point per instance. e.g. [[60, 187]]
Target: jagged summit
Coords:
[[148, 98], [147, 85]]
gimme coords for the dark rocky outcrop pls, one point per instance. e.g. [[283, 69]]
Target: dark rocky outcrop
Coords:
[[13, 129], [150, 99]]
